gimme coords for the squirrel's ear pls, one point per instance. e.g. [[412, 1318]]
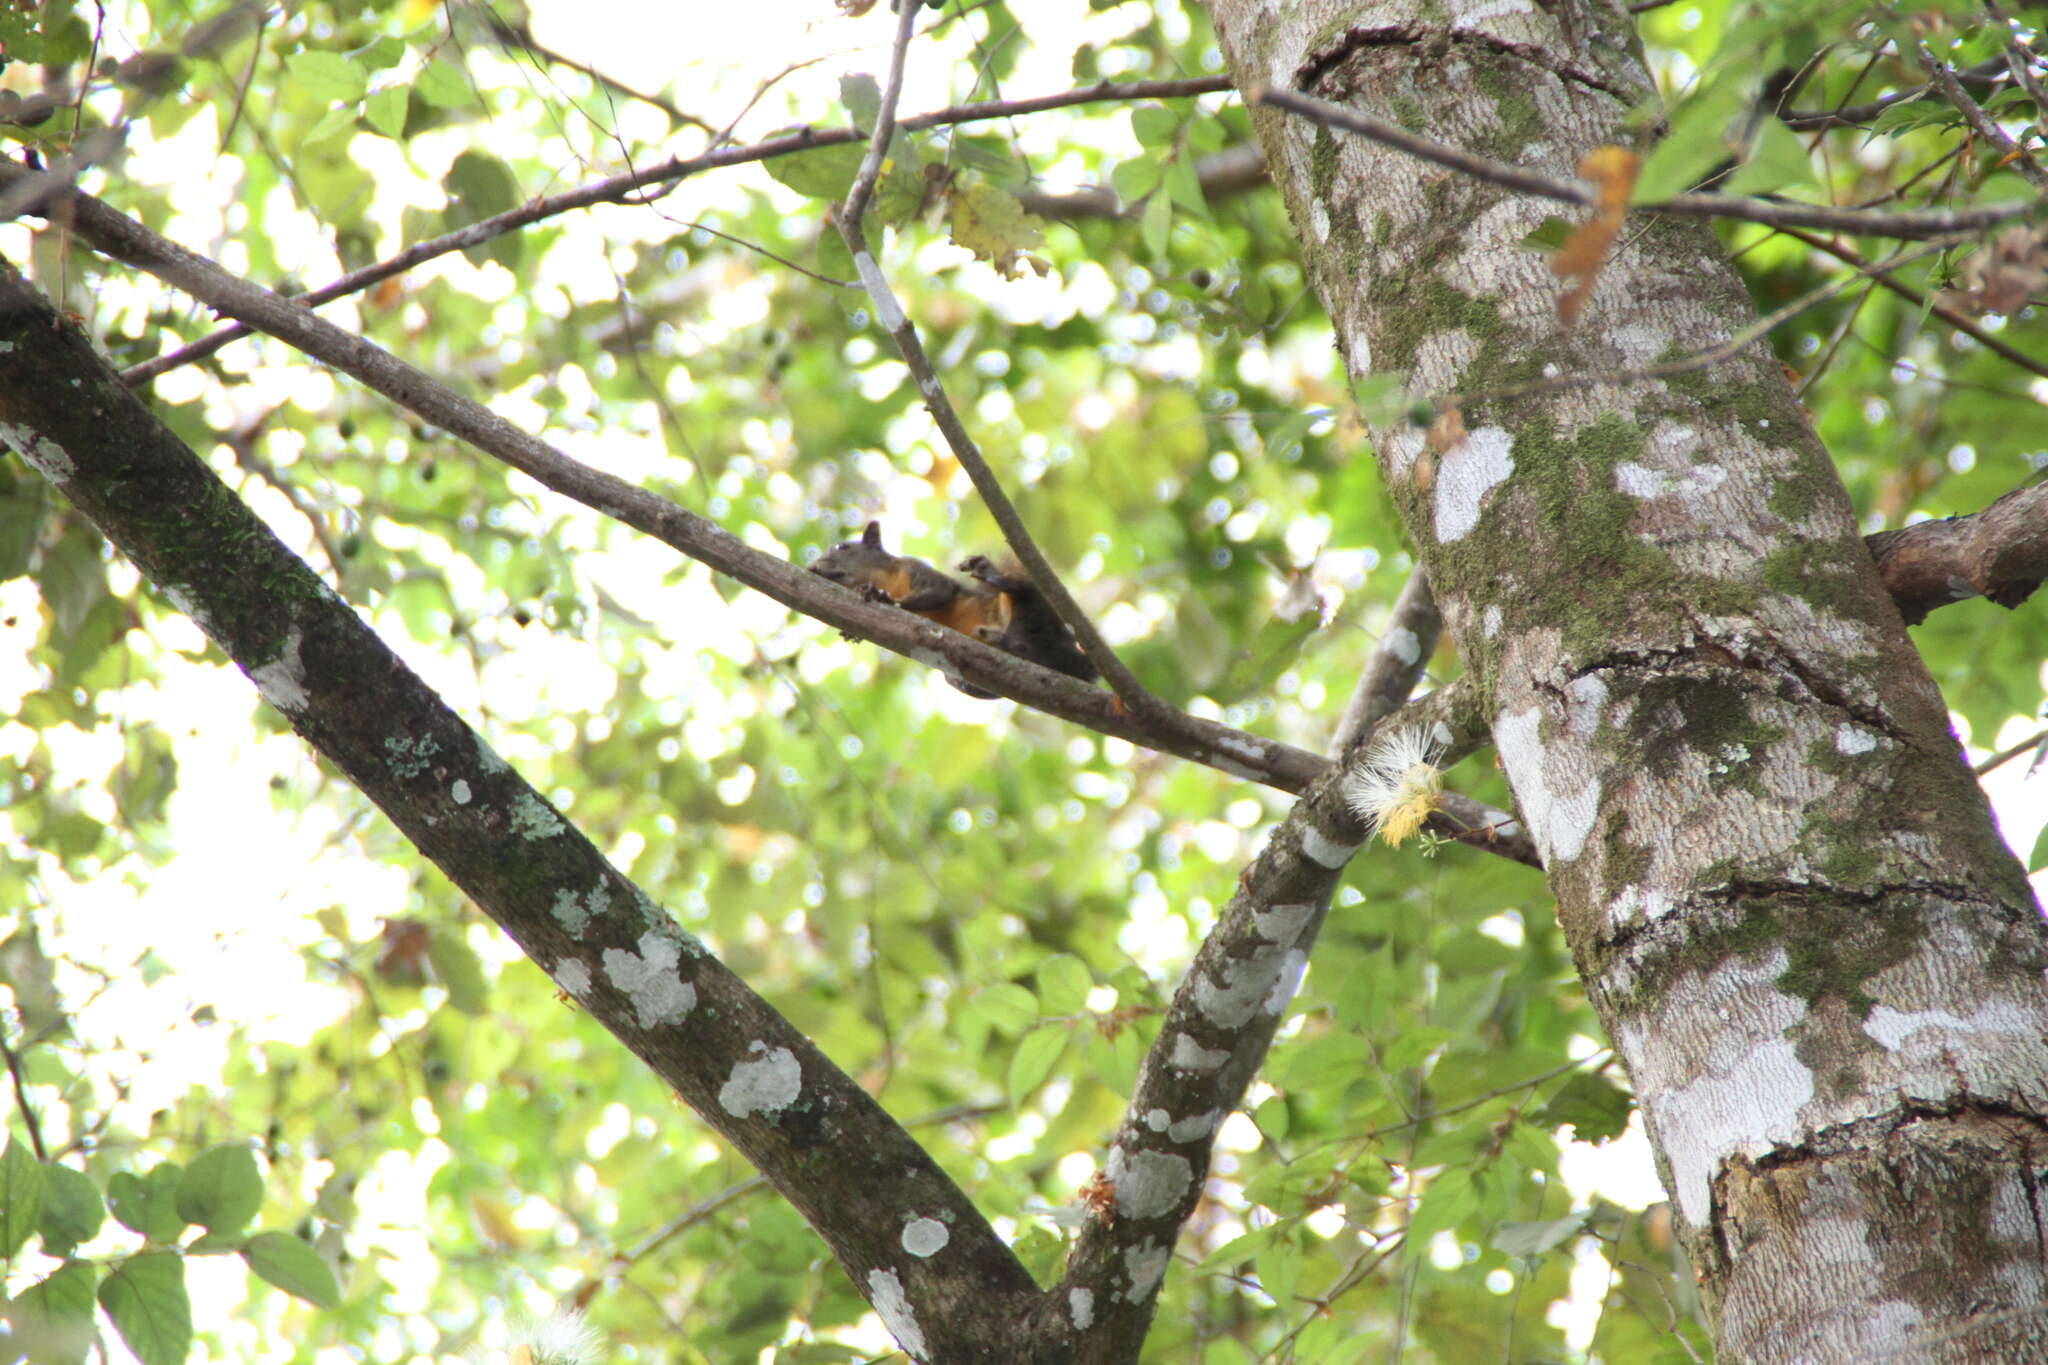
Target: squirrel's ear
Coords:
[[873, 535]]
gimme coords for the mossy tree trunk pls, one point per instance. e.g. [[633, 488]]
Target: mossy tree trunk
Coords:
[[1779, 880]]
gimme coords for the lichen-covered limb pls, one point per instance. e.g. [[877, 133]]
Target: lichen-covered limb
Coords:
[[1211, 1041], [1781, 884], [898, 1225]]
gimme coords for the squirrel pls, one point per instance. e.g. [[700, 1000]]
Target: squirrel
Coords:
[[997, 608]]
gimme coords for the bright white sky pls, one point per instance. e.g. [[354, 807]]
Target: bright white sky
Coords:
[[230, 910]]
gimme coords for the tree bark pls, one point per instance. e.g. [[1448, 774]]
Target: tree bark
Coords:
[[1779, 880]]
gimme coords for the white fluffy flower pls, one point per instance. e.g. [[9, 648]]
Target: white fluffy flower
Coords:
[[561, 1338], [1396, 784]]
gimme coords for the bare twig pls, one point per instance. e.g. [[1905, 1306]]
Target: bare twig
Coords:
[[856, 205], [624, 187], [21, 1104], [1982, 124], [2038, 741], [2019, 61], [1856, 115], [889, 312], [1913, 296], [1770, 213]]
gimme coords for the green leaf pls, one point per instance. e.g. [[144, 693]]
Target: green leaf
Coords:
[[1155, 127], [340, 119], [1697, 142], [457, 968], [72, 1209], [1063, 985], [148, 1203], [1010, 1008], [862, 96], [1448, 1200], [1139, 176], [53, 1318], [443, 86], [1156, 225], [385, 111], [1034, 1060], [293, 1266], [328, 77], [21, 1197], [820, 173], [1184, 187], [221, 1190], [1533, 1239], [2038, 859], [1593, 1106], [146, 1299], [1777, 159]]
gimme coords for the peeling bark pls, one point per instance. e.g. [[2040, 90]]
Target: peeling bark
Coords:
[[1777, 876]]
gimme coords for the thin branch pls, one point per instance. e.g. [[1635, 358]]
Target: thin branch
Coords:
[[1770, 213], [856, 206], [1856, 115], [1961, 322], [889, 312], [1982, 124], [2019, 62], [520, 34], [21, 1104], [623, 188], [2037, 741]]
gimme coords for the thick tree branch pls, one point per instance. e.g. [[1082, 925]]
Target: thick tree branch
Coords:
[[2000, 553], [1218, 746], [1770, 213], [743, 1068], [1395, 666]]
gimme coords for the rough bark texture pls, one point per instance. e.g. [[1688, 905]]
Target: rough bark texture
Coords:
[[1778, 878]]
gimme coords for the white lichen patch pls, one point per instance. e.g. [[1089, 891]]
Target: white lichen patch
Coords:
[[1189, 1055], [1145, 1264], [572, 974], [648, 978], [574, 912], [458, 792], [1319, 220], [885, 1292], [1227, 997], [925, 1237], [1692, 488], [1466, 474], [1157, 1119], [1490, 621], [1361, 353], [1081, 1305], [1853, 739], [1403, 644], [1282, 924], [1292, 968], [1553, 783], [1722, 1077], [768, 1084], [1195, 1127], [490, 760], [532, 819], [1633, 903], [1324, 851], [43, 455], [1938, 1033], [408, 756], [1148, 1184], [282, 681]]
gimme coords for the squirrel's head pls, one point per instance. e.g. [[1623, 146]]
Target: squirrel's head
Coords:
[[841, 561]]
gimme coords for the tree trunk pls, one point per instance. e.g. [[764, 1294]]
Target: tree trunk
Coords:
[[1779, 880]]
